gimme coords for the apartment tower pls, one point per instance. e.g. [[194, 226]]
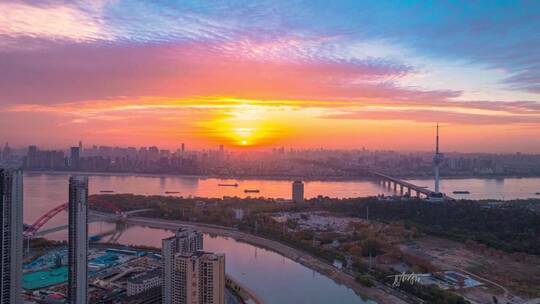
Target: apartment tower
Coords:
[[200, 278], [185, 241], [78, 240], [297, 191], [11, 235]]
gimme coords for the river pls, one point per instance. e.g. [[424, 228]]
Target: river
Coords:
[[44, 191], [275, 278]]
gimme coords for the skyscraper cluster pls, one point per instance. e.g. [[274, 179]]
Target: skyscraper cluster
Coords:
[[11, 237], [112, 159], [190, 275]]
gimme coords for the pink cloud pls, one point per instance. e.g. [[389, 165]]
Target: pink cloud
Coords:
[[62, 22], [441, 116], [61, 73]]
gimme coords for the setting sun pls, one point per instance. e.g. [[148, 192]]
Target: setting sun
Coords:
[[321, 149]]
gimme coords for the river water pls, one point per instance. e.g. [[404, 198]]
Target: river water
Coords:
[[275, 278], [44, 191]]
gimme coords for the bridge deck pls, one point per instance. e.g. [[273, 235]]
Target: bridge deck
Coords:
[[404, 183], [93, 216]]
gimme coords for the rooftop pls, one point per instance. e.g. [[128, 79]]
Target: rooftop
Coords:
[[140, 278]]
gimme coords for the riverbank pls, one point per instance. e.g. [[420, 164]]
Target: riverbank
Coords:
[[322, 267], [278, 178]]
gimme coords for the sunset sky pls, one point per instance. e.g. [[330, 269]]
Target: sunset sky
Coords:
[[260, 74]]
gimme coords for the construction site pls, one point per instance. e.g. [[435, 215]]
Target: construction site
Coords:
[[113, 275]]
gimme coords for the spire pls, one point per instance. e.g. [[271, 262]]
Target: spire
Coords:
[[436, 161], [437, 140]]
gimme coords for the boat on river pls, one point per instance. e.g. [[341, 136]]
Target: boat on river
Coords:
[[252, 191]]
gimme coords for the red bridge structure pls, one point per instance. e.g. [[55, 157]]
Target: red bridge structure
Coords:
[[42, 220]]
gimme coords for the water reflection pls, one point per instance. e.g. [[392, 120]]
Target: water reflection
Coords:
[[44, 191], [273, 277], [479, 188]]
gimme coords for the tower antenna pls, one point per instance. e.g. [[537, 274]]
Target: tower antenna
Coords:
[[437, 140], [436, 161]]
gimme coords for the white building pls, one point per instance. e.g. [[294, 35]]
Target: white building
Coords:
[[238, 214], [184, 241], [78, 240], [143, 282], [11, 236], [201, 278]]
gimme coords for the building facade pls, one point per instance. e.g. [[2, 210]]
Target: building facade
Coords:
[[78, 240], [184, 241], [200, 278], [238, 214], [144, 282], [11, 235], [75, 158], [298, 191]]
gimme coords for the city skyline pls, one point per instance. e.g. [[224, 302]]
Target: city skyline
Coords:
[[269, 151], [269, 74]]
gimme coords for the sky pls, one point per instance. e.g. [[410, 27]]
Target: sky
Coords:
[[261, 74]]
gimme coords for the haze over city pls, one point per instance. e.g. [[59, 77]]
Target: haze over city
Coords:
[[265, 74], [269, 152]]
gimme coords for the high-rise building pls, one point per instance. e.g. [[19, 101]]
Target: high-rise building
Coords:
[[11, 235], [201, 278], [74, 159], [31, 156], [78, 240], [298, 191], [6, 153], [184, 241]]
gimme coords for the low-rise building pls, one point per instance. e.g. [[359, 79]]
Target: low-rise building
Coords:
[[238, 214], [143, 282]]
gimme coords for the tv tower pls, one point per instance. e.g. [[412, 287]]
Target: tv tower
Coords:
[[436, 161]]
